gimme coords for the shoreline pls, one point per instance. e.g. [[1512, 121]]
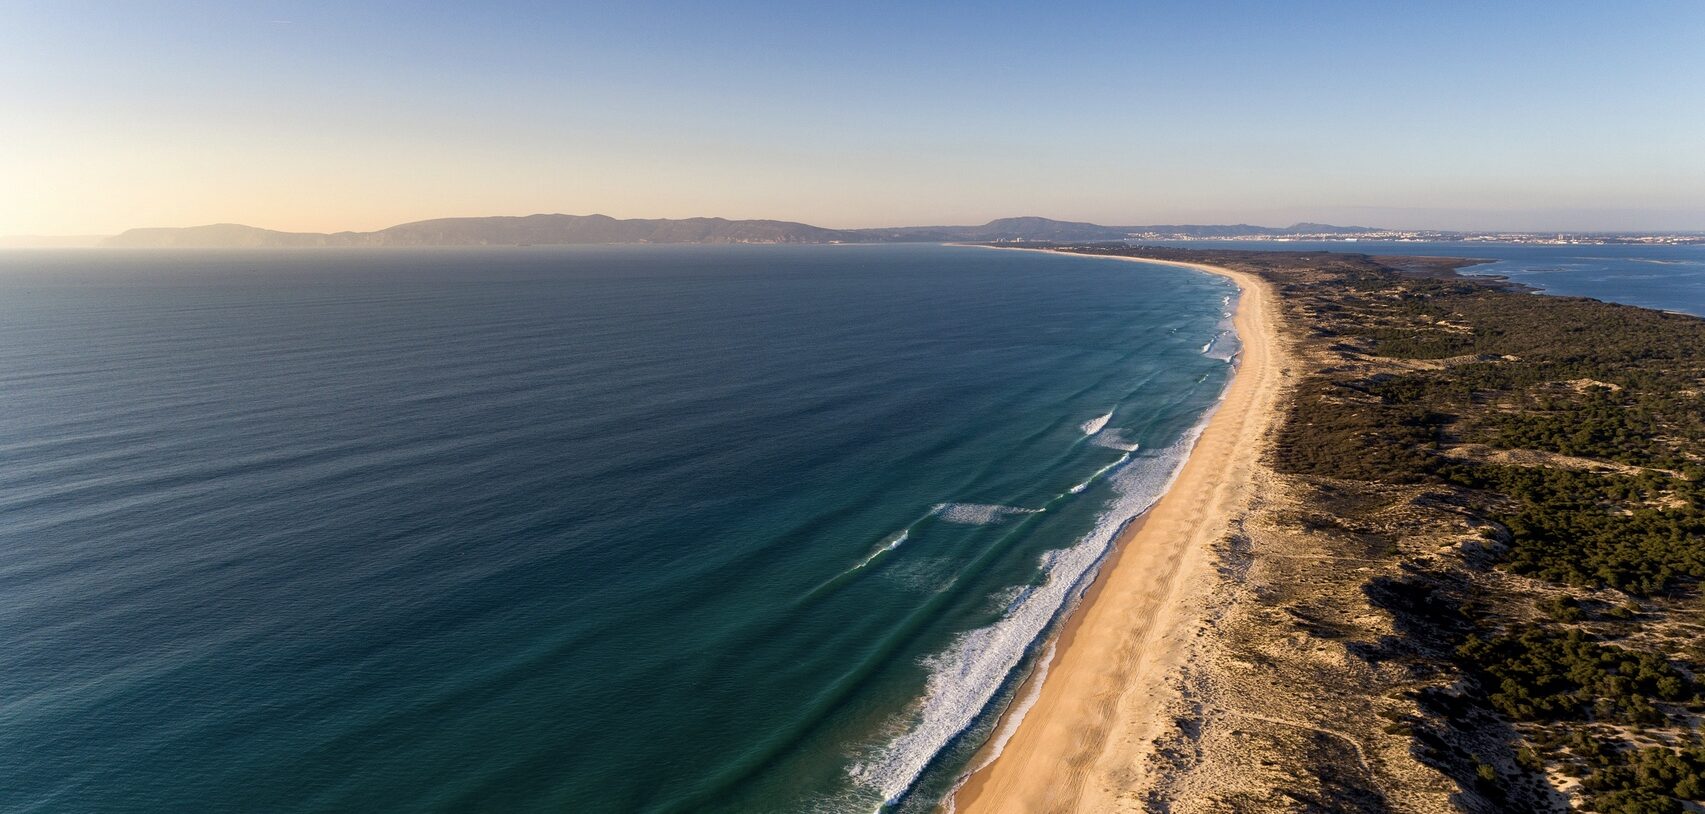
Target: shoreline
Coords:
[[1132, 625]]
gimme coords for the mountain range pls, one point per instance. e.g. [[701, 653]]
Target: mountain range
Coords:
[[590, 229]]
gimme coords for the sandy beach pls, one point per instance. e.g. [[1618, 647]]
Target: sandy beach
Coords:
[[1084, 745]]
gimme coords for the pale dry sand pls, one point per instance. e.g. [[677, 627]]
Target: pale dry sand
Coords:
[[1084, 745]]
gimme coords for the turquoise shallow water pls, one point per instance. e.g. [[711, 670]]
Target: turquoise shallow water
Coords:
[[600, 529]]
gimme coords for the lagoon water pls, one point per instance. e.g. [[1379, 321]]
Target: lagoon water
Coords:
[[595, 529], [1668, 278]]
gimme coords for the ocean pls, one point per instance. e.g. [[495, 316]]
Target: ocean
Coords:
[[601, 529], [1668, 278]]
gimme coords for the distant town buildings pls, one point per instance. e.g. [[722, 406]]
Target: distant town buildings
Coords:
[[1432, 236]]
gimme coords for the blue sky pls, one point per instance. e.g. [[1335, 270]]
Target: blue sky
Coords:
[[359, 115]]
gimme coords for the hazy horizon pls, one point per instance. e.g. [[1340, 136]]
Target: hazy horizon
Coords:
[[317, 117], [79, 239]]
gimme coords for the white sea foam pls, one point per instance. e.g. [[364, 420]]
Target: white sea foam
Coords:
[[884, 547], [1015, 714], [1225, 344], [1098, 473], [978, 514], [887, 544], [1012, 598], [922, 574], [964, 678], [1094, 425], [1222, 339], [1009, 723], [1115, 439]]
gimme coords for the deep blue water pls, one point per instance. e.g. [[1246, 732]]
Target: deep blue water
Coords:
[[1669, 278], [592, 530]]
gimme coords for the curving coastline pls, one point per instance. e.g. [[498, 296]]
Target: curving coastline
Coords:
[[1082, 744]]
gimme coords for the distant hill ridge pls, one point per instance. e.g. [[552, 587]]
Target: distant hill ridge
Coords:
[[556, 230]]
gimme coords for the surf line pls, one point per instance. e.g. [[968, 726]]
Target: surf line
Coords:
[[1094, 425], [886, 545], [966, 677], [979, 514], [975, 514], [1078, 489]]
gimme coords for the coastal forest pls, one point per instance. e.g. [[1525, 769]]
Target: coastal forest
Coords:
[[1527, 474]]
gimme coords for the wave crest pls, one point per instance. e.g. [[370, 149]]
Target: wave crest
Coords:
[[1115, 439], [978, 514], [1094, 425], [965, 678]]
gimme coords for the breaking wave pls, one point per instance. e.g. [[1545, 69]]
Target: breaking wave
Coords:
[[1225, 344], [966, 677], [1009, 724], [1094, 425], [1098, 473], [885, 546], [1115, 439], [978, 514]]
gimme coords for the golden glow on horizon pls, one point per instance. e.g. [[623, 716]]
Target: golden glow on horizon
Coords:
[[79, 178], [107, 185], [345, 117]]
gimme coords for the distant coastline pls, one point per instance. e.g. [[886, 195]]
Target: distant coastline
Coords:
[[572, 230]]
